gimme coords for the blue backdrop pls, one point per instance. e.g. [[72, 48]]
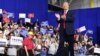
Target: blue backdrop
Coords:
[[84, 17], [39, 7], [88, 17]]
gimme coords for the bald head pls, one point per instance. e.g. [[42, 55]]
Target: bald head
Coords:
[[65, 5]]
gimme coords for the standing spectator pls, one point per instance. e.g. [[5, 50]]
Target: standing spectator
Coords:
[[29, 45], [90, 48], [52, 47], [96, 46], [5, 17], [2, 44], [43, 49], [38, 48], [76, 49], [11, 50], [82, 49]]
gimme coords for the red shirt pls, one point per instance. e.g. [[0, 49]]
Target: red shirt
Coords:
[[6, 19], [29, 43]]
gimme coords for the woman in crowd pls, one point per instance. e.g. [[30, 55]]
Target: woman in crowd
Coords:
[[53, 46]]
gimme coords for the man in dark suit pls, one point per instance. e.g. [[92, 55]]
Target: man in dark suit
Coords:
[[66, 30]]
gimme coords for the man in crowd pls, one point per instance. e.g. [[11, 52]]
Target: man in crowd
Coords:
[[29, 45]]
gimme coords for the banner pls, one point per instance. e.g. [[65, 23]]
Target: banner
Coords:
[[27, 20], [50, 31], [2, 50], [97, 50], [43, 30], [44, 23], [16, 41], [10, 15], [3, 42], [0, 11], [81, 29], [22, 15]]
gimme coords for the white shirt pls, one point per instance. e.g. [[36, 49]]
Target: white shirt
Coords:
[[53, 48]]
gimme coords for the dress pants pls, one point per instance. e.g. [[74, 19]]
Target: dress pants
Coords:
[[68, 38]]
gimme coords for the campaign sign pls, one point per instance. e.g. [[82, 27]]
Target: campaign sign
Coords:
[[44, 23], [3, 42], [2, 50], [97, 50], [16, 41]]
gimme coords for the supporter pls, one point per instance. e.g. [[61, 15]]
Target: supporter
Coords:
[[1, 34], [38, 48], [11, 50], [96, 46], [45, 41], [6, 32], [9, 35], [6, 18], [86, 38], [90, 48], [43, 49], [52, 47], [82, 49], [76, 49], [29, 45], [17, 31], [76, 37]]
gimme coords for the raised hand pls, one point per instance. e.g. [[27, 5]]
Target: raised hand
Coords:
[[58, 16]]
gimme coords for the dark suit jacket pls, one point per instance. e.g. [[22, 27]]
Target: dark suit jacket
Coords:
[[69, 23]]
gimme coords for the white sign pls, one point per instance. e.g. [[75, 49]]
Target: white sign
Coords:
[[22, 15], [12, 52], [97, 50], [3, 42], [0, 11], [2, 50], [81, 29], [16, 41], [27, 20], [0, 24], [58, 16]]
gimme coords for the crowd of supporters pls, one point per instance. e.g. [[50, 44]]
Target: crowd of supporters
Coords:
[[42, 43], [36, 42], [84, 45]]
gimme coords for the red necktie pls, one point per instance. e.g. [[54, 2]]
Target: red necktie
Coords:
[[64, 23]]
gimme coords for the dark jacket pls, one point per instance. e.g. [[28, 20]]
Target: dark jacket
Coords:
[[69, 23]]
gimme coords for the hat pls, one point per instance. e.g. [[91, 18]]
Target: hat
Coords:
[[30, 33]]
